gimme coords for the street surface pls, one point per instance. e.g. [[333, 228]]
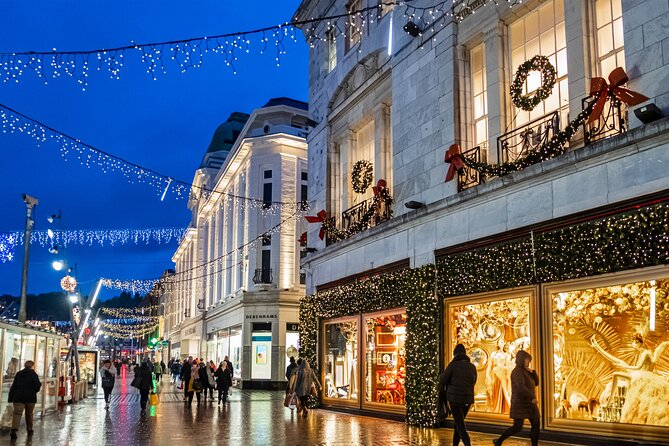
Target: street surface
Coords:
[[249, 418]]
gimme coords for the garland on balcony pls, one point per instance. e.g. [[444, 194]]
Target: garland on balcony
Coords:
[[409, 288], [548, 76], [362, 176]]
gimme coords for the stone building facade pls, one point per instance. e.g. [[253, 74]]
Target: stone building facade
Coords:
[[237, 280], [399, 101]]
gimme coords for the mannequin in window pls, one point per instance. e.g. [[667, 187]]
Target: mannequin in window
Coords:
[[646, 392], [498, 383]]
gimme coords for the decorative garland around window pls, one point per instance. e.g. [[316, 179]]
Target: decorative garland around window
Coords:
[[410, 288], [362, 176], [548, 76]]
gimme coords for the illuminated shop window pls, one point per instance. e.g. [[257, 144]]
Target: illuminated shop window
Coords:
[[479, 96], [610, 42], [541, 32], [340, 364], [610, 355], [492, 331], [385, 356]]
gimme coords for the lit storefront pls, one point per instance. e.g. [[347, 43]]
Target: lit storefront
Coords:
[[20, 344]]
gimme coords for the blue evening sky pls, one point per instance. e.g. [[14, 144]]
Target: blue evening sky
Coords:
[[164, 124]]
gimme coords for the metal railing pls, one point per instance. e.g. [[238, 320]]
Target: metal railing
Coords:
[[520, 141], [611, 122], [468, 176], [263, 275], [355, 213]]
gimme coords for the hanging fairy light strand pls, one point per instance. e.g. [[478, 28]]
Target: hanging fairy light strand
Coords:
[[14, 121], [187, 54]]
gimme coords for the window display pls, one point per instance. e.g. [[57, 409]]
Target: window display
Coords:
[[493, 332], [385, 367], [340, 366], [610, 353]]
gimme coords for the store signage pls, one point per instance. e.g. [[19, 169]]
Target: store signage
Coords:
[[190, 331], [292, 326], [261, 316]]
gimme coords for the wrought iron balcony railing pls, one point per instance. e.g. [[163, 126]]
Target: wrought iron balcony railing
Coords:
[[520, 141], [469, 177], [611, 122], [355, 213], [263, 275]]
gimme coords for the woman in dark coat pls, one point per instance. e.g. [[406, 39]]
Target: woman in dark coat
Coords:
[[523, 399], [457, 384], [223, 381], [145, 385]]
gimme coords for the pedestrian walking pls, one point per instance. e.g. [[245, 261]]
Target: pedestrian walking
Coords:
[[457, 384], [108, 372], [305, 385], [232, 371], [210, 369], [175, 370], [158, 371], [223, 382], [23, 395], [291, 367], [195, 384], [523, 399], [144, 383], [185, 376]]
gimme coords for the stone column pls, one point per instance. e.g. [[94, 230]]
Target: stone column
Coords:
[[580, 60], [383, 161], [496, 63], [347, 145]]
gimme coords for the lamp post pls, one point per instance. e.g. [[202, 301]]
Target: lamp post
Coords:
[[31, 202]]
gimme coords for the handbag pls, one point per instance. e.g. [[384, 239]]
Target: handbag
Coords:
[[197, 385], [287, 399], [107, 380], [136, 382], [153, 399]]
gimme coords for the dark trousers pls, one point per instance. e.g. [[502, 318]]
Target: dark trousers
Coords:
[[143, 397], [107, 391], [158, 376], [186, 389], [190, 397], [222, 395], [518, 426], [459, 412], [209, 389], [303, 401]]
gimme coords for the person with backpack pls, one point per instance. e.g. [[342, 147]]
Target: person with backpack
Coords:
[[108, 372], [457, 384]]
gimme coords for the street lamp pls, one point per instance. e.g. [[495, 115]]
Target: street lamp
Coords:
[[58, 265], [31, 202], [73, 298]]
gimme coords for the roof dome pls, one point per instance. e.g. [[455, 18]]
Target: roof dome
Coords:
[[226, 134]]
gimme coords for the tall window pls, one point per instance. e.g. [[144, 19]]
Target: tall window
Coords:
[[332, 49], [541, 32], [384, 8], [363, 150], [304, 198], [267, 189], [479, 96], [353, 24], [609, 23]]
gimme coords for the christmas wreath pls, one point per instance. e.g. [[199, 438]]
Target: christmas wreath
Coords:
[[548, 76], [362, 176]]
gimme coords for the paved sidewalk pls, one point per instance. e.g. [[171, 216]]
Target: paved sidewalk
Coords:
[[249, 418]]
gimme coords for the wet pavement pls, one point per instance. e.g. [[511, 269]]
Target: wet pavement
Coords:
[[249, 418]]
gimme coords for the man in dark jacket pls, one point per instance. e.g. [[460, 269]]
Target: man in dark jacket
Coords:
[[185, 375], [145, 385], [23, 394], [457, 384], [523, 399]]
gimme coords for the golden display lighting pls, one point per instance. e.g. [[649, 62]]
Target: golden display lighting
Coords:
[[68, 283], [136, 312], [186, 54]]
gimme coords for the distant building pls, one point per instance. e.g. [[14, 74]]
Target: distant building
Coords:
[[244, 304]]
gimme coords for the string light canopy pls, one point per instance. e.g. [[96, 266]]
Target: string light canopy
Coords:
[[187, 54], [89, 156], [135, 312]]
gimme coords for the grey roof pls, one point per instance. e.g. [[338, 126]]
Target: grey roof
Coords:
[[287, 101], [226, 134]]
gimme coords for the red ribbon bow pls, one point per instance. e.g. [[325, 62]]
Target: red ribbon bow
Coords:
[[380, 186], [599, 87], [454, 158], [321, 217]]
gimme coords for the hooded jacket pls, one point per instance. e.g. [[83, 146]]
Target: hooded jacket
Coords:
[[459, 378], [305, 377], [523, 383]]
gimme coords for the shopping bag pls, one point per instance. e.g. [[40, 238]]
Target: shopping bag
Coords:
[[293, 402], [181, 385], [6, 419], [136, 382], [287, 399], [153, 399]]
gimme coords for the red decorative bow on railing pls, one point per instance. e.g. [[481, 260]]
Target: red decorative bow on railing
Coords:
[[380, 187], [454, 158], [599, 87], [321, 218]]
